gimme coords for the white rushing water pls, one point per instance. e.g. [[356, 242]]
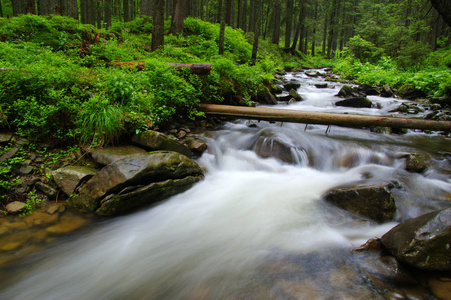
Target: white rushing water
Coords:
[[212, 241]]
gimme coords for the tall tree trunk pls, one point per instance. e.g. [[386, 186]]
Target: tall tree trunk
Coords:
[[1, 10], [244, 15], [292, 49], [99, 14], [178, 17], [126, 9], [146, 7], [222, 11], [325, 33], [257, 18], [158, 25], [276, 23], [46, 7], [228, 9], [331, 37], [315, 17], [72, 9], [91, 12], [107, 13], [444, 9], [289, 23]]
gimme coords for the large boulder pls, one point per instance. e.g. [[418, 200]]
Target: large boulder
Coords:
[[151, 176], [349, 92], [108, 155], [355, 102], [68, 178], [291, 85], [374, 202], [423, 242], [387, 91], [368, 89], [154, 140], [408, 91]]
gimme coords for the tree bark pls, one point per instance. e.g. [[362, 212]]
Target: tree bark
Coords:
[[99, 15], [346, 120], [257, 18], [1, 10], [444, 9], [158, 25], [126, 9], [289, 23], [276, 23], [107, 13], [222, 26], [72, 9], [178, 17], [228, 16]]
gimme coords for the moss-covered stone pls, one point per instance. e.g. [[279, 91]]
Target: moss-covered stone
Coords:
[[154, 140]]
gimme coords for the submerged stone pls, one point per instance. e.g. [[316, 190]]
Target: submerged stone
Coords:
[[355, 102]]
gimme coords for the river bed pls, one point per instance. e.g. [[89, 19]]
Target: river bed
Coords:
[[256, 227]]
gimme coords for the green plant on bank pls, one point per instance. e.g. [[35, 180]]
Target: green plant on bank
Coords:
[[30, 205]]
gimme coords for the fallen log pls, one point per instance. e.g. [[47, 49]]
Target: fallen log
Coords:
[[346, 120], [198, 69]]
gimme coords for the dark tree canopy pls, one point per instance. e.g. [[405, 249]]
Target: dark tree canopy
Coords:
[[444, 9]]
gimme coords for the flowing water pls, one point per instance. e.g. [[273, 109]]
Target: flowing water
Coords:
[[255, 228]]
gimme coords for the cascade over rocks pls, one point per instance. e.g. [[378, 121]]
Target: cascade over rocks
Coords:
[[295, 95], [374, 202], [265, 97], [137, 180], [423, 242], [154, 140]]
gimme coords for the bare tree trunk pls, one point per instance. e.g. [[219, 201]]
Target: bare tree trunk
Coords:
[[276, 23], [107, 13], [222, 12], [289, 23], [178, 17], [314, 29], [228, 16], [146, 7], [325, 34], [158, 25], [257, 18], [444, 9], [72, 9], [126, 8], [1, 10], [99, 15]]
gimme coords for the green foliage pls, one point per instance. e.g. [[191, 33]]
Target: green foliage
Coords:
[[363, 50], [100, 123], [30, 205]]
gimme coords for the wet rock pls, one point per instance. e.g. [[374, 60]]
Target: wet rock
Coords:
[[312, 74], [416, 163], [423, 242], [321, 85], [275, 89], [131, 199], [137, 172], [409, 108], [442, 101], [265, 97], [46, 189], [68, 178], [443, 114], [408, 91], [355, 102], [368, 89], [373, 202], [26, 170], [349, 92], [5, 138], [387, 91], [295, 95], [108, 155], [292, 85], [15, 207], [9, 154], [284, 98], [181, 134], [270, 145], [154, 140], [196, 145]]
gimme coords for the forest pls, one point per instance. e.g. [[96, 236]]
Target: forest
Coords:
[[62, 71]]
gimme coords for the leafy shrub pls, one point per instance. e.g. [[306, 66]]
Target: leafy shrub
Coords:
[[363, 50]]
